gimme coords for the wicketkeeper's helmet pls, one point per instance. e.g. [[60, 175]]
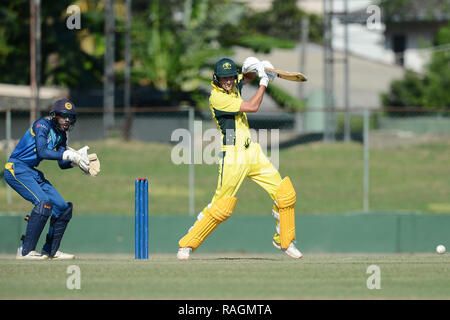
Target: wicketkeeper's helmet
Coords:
[[64, 108]]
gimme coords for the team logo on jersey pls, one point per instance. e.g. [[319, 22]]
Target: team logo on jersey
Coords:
[[247, 143], [226, 66], [68, 105]]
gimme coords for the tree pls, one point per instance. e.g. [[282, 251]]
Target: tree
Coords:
[[438, 72], [174, 44], [397, 10], [429, 90], [175, 41], [277, 27], [406, 92], [63, 61]]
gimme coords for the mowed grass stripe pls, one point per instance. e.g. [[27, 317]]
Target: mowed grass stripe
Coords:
[[230, 276]]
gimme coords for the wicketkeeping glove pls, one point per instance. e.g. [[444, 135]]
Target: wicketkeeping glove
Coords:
[[93, 167], [94, 164], [75, 157], [83, 164]]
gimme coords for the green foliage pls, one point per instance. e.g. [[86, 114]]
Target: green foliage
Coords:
[[284, 99], [395, 10], [284, 19], [264, 44], [170, 52], [430, 90], [174, 43], [438, 72], [277, 27], [406, 92], [62, 62]]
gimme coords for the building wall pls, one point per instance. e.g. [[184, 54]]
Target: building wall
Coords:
[[419, 38]]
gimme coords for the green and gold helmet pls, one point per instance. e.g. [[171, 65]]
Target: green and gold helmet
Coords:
[[225, 68]]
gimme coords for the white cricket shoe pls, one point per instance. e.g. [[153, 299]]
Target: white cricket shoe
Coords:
[[32, 255], [59, 255], [183, 253], [291, 251]]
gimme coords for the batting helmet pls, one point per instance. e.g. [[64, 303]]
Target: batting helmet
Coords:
[[225, 68]]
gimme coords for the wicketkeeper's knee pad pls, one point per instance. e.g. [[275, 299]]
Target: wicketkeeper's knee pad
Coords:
[[36, 223], [285, 198], [59, 226], [219, 211]]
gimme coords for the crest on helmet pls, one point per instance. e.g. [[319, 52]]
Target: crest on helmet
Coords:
[[227, 66]]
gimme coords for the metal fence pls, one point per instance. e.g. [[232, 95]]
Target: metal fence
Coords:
[[393, 161]]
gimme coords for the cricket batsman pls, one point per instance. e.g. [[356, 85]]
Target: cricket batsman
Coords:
[[45, 139], [241, 158]]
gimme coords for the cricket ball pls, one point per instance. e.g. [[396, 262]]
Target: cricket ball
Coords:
[[440, 249]]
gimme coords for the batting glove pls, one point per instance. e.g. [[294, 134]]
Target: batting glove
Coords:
[[250, 65], [261, 72], [272, 75], [264, 81]]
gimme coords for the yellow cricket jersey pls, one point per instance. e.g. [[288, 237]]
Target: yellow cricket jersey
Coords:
[[231, 122]]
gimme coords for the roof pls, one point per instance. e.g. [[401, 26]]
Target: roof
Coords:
[[18, 96]]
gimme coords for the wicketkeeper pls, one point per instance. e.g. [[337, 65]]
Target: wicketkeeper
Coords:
[[241, 158], [46, 139]]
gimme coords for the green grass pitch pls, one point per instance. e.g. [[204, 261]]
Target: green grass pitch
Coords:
[[230, 276]]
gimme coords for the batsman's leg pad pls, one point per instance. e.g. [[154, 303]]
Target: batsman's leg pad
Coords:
[[59, 226], [285, 197], [36, 223], [200, 215], [219, 211]]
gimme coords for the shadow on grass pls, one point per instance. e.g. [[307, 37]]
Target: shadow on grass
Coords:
[[240, 259]]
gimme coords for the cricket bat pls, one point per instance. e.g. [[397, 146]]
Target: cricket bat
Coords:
[[291, 76]]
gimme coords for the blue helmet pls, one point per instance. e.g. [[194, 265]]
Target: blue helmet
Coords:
[[64, 107]]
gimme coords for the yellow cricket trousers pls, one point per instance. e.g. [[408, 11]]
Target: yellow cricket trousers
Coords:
[[237, 163]]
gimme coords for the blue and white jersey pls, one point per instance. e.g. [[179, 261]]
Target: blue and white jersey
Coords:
[[41, 141]]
